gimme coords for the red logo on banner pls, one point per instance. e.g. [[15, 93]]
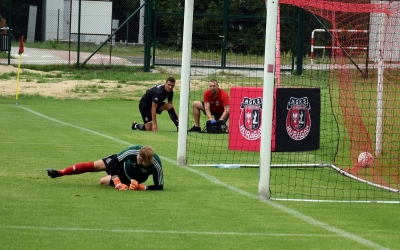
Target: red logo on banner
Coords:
[[298, 120], [250, 118]]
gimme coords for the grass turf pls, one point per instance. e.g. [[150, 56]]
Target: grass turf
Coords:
[[199, 209]]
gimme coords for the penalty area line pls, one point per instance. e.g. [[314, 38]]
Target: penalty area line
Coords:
[[280, 207]]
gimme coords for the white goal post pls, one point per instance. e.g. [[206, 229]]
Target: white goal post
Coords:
[[268, 93], [268, 97], [185, 81]]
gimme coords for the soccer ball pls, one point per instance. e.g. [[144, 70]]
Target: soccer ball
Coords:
[[365, 159]]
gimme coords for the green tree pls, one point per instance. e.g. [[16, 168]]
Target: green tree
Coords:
[[245, 24]]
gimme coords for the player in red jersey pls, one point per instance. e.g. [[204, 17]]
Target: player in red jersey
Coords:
[[215, 105]]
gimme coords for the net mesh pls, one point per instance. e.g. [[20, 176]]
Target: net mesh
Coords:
[[365, 97], [359, 108]]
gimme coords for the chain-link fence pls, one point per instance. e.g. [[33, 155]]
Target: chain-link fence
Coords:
[[75, 32], [226, 34]]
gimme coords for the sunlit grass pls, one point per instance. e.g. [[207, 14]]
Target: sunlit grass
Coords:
[[121, 74]]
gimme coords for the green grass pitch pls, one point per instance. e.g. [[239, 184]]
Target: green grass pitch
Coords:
[[200, 208]]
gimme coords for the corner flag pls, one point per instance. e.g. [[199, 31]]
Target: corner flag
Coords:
[[20, 51], [21, 46]]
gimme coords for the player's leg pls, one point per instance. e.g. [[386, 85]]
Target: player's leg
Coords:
[[197, 107], [147, 120], [148, 126], [79, 168], [106, 180], [171, 112]]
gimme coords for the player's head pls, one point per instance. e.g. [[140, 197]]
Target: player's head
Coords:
[[169, 84], [145, 157], [213, 86]]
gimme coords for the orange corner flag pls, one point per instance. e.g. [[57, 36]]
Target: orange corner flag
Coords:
[[21, 46]]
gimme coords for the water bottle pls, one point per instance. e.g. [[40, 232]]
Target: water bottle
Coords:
[[227, 166]]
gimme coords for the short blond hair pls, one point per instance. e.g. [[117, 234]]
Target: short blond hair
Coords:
[[146, 154]]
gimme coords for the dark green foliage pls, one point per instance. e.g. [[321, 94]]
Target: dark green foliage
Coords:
[[242, 22]]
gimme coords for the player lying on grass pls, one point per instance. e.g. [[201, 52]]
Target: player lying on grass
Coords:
[[126, 170]]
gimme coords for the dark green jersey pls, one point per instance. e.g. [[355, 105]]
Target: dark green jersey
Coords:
[[132, 170]]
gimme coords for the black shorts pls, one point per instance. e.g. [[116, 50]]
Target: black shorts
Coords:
[[216, 115], [121, 176], [146, 112]]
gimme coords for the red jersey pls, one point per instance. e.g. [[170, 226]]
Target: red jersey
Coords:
[[218, 103]]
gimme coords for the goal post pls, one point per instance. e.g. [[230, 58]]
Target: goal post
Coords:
[[316, 128], [185, 81], [268, 98]]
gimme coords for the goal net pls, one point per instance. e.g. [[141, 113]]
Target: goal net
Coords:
[[336, 128]]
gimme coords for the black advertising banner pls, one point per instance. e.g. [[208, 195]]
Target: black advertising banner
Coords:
[[297, 126]]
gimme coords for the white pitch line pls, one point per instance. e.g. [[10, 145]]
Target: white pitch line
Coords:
[[77, 127], [290, 211]]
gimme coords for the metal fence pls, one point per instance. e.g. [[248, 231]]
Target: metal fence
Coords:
[[145, 33], [76, 31], [225, 34]]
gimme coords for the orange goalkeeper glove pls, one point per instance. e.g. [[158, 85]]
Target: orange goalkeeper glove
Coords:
[[136, 185], [119, 185]]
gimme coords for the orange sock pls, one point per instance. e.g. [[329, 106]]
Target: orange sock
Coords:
[[78, 168]]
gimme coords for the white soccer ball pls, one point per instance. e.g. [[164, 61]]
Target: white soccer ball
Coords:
[[365, 159]]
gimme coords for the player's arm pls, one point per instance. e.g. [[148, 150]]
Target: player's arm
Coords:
[[141, 187], [156, 171], [158, 176], [225, 114], [207, 107], [158, 180], [225, 103], [154, 115], [155, 187]]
